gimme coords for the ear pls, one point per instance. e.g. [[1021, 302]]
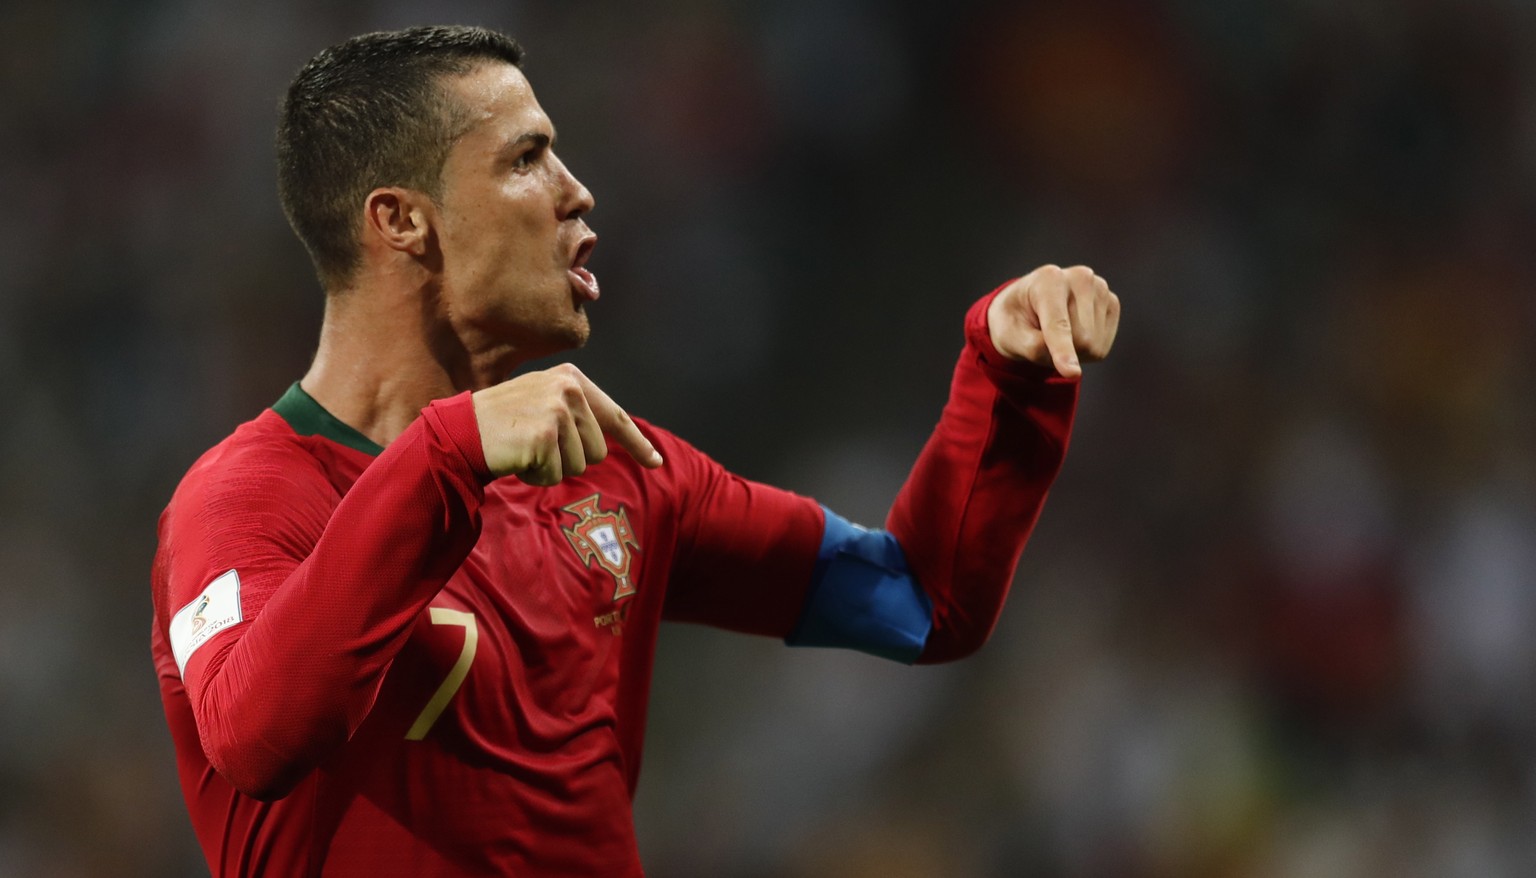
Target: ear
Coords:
[[399, 219]]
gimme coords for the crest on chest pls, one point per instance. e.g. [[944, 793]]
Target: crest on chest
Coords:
[[604, 539]]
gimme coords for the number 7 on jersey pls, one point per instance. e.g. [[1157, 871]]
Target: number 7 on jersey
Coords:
[[456, 674]]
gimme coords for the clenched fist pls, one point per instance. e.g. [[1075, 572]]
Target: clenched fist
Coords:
[[1054, 317], [545, 426]]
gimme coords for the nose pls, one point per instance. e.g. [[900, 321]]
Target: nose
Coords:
[[577, 200]]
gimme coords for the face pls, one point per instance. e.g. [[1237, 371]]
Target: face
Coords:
[[511, 225]]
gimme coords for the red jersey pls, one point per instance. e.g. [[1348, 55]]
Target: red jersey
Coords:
[[386, 662]]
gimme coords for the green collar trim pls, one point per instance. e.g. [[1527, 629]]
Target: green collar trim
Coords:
[[309, 418]]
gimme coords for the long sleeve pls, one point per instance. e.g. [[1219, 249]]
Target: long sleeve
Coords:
[[327, 591], [749, 558], [745, 550], [977, 489]]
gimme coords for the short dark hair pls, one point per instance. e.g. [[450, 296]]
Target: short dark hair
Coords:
[[372, 112]]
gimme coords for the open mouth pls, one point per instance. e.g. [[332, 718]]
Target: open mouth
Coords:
[[584, 282]]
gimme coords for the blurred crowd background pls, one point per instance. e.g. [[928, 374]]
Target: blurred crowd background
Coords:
[[1277, 619]]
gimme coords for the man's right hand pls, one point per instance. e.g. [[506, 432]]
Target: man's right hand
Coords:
[[545, 426]]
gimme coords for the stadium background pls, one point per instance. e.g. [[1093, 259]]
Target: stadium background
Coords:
[[1276, 620]]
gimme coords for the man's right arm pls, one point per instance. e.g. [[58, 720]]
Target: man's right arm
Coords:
[[325, 597]]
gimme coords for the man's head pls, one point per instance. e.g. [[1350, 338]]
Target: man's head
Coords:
[[427, 145]]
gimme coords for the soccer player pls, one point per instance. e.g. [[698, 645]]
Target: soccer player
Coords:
[[405, 618]]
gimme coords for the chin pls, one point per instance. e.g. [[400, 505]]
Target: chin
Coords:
[[580, 330], [564, 336], [578, 339]]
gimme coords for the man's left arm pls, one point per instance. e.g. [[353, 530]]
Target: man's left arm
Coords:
[[931, 586]]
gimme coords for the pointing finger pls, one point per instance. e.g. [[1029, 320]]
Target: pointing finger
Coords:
[[617, 422], [1056, 327]]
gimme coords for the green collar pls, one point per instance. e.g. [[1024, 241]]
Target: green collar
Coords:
[[308, 418]]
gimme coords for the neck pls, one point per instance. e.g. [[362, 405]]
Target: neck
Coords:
[[380, 361]]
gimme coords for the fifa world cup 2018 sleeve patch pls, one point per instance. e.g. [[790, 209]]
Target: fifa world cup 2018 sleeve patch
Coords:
[[216, 609]]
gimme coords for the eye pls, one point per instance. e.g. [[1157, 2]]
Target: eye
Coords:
[[528, 158]]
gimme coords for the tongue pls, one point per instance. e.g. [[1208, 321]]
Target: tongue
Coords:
[[585, 282]]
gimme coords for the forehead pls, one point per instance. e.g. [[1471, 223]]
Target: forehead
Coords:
[[499, 102]]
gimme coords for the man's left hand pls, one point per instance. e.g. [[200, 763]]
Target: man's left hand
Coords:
[[1055, 317]]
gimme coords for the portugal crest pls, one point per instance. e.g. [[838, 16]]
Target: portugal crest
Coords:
[[603, 537]]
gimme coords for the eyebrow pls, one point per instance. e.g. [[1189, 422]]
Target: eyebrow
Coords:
[[537, 138]]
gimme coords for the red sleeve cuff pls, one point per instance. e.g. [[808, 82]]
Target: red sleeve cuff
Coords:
[[453, 419], [1002, 370]]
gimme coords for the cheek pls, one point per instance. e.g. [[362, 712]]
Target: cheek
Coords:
[[476, 241], [502, 230]]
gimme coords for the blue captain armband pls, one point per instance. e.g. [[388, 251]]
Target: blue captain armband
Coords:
[[863, 596]]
